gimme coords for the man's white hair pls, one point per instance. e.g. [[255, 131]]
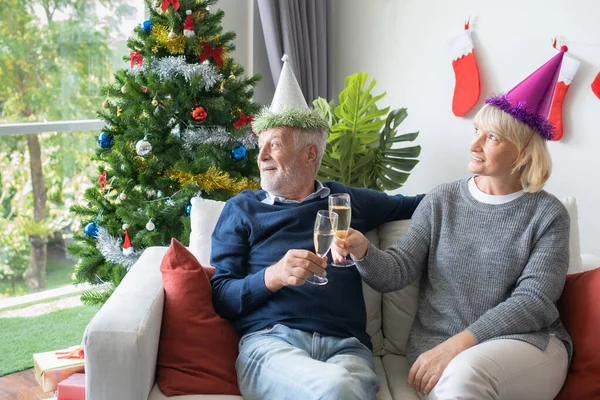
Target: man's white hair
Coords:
[[303, 138]]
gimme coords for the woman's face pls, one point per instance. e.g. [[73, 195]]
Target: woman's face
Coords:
[[492, 155]]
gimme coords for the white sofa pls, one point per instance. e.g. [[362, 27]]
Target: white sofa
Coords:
[[121, 341]]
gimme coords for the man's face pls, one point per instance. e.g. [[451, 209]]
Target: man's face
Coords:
[[281, 168]]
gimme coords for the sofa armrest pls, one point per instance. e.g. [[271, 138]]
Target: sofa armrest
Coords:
[[121, 341], [590, 262]]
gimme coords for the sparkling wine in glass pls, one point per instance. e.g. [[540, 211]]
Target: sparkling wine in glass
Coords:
[[324, 232], [339, 203]]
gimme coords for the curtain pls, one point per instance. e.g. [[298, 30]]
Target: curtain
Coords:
[[300, 29]]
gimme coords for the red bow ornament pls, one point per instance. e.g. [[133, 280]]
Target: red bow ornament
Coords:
[[136, 57], [215, 52], [244, 119], [165, 5]]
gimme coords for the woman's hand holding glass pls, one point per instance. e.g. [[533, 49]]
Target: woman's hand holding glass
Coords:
[[355, 244]]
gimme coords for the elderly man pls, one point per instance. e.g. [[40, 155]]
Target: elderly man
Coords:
[[299, 341]]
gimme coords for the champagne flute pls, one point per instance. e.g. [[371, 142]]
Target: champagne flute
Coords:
[[325, 227], [339, 203]]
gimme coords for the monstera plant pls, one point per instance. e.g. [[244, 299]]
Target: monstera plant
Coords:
[[361, 150]]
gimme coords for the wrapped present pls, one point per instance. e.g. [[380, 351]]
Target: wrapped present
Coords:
[[55, 366], [72, 388]]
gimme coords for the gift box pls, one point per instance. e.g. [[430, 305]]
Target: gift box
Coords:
[[52, 367], [72, 388]]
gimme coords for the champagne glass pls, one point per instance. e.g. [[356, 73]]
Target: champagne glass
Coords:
[[325, 227], [339, 203]]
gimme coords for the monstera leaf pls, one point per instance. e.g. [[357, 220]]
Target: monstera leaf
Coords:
[[361, 150]]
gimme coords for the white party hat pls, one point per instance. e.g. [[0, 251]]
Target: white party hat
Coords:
[[287, 93], [288, 107]]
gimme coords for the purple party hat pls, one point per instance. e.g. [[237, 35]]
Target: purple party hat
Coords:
[[530, 100]]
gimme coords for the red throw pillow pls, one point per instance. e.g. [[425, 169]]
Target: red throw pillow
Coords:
[[579, 308], [198, 348]]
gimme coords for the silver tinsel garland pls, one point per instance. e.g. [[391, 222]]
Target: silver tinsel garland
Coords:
[[170, 67], [110, 248], [215, 135]]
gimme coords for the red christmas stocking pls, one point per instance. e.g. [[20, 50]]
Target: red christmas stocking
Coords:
[[596, 86], [568, 70], [466, 73]]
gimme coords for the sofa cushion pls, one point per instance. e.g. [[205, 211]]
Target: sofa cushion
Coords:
[[396, 370], [156, 394], [382, 394], [197, 349], [204, 216], [575, 262], [400, 307], [580, 313], [384, 388], [373, 306]]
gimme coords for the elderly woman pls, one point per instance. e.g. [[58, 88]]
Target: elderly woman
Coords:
[[492, 252]]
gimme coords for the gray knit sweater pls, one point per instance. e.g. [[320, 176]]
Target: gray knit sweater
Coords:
[[495, 270]]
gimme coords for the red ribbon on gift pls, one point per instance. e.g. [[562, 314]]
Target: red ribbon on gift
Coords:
[[136, 57], [75, 353], [214, 52], [244, 119], [102, 181], [165, 5]]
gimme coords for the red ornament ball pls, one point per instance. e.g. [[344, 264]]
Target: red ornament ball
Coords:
[[199, 114]]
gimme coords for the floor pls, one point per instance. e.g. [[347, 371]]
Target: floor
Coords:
[[22, 386]]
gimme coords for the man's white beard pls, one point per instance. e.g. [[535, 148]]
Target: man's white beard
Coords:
[[280, 184]]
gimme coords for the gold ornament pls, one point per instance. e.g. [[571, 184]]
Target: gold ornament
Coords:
[[222, 87], [141, 164], [154, 101], [155, 49], [175, 45], [105, 104], [119, 111], [172, 35], [197, 16], [124, 89], [214, 179]]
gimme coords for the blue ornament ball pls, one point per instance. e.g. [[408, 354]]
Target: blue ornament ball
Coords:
[[239, 153], [105, 141], [147, 26], [91, 229], [188, 209]]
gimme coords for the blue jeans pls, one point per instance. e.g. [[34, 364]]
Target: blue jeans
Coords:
[[283, 363]]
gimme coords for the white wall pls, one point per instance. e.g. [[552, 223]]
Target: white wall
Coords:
[[403, 44], [242, 17]]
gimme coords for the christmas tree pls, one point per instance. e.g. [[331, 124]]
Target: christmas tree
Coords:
[[177, 124]]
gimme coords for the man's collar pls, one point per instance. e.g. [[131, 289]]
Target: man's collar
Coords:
[[320, 192]]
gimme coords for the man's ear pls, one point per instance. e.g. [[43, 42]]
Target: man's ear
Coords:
[[312, 152]]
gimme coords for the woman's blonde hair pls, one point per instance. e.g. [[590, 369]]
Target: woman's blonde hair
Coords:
[[533, 164]]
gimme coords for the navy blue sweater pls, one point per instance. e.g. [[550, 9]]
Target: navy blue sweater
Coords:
[[251, 236]]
